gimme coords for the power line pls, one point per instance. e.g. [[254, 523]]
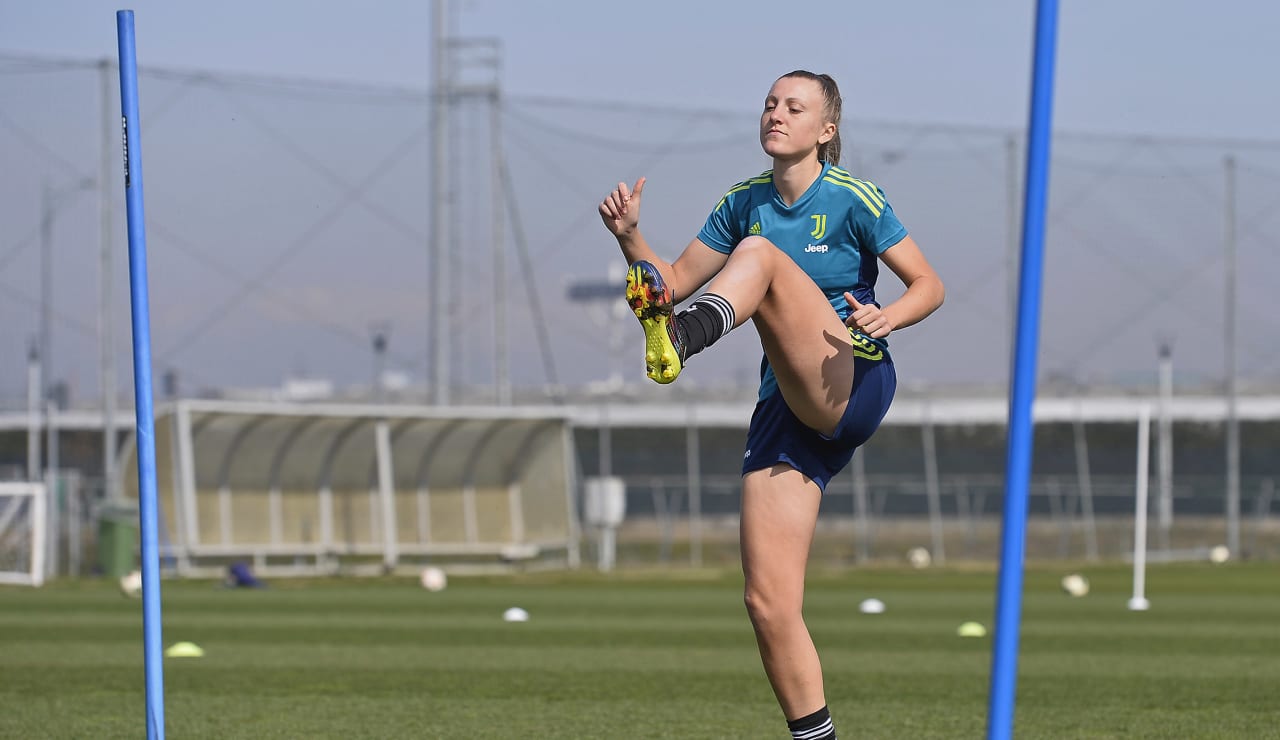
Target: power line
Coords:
[[33, 141], [277, 84], [526, 265], [18, 246], [627, 144], [346, 199], [288, 144], [174, 240], [24, 63], [71, 321], [284, 84]]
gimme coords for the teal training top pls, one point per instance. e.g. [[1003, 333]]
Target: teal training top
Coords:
[[834, 232]]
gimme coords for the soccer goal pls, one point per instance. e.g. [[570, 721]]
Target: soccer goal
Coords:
[[22, 533]]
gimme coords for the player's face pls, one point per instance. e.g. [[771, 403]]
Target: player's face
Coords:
[[793, 123]]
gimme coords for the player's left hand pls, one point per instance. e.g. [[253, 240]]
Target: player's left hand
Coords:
[[867, 318]]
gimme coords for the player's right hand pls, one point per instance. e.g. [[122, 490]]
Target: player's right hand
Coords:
[[620, 210]]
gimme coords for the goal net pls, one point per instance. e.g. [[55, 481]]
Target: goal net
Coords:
[[22, 533]]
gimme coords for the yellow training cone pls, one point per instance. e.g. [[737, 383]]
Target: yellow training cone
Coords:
[[184, 650], [971, 629]]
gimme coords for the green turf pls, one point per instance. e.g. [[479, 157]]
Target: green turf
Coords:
[[644, 656]]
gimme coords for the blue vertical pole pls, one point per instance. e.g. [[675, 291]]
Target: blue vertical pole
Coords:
[[1004, 662], [142, 376]]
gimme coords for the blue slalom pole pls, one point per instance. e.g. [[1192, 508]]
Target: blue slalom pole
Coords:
[[1004, 662], [142, 376]]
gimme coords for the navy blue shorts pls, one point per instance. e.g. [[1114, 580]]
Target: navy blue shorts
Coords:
[[777, 436]]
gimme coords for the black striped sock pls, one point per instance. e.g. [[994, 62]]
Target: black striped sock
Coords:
[[707, 319], [816, 726]]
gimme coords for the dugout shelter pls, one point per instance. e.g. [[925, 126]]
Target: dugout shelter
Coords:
[[310, 489]]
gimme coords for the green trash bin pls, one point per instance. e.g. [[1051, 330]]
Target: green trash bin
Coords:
[[117, 538]]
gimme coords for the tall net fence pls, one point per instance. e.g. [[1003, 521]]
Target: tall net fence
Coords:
[[940, 487], [291, 226], [289, 222]]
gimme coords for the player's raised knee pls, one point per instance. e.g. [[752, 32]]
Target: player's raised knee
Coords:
[[755, 244]]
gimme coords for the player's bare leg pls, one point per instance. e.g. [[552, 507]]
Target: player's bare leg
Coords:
[[779, 512]]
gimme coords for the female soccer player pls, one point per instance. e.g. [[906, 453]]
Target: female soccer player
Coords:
[[795, 250]]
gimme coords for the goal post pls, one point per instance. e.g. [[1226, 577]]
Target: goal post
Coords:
[[23, 530]]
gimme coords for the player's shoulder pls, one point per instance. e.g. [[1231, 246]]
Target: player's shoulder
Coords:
[[857, 193], [747, 186]]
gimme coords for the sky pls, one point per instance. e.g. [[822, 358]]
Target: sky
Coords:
[[1147, 68], [1142, 66]]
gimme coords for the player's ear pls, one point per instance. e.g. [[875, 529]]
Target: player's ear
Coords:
[[828, 133]]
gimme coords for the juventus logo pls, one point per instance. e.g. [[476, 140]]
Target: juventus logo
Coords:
[[819, 226]]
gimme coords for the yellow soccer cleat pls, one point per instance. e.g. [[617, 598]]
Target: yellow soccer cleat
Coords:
[[654, 305]]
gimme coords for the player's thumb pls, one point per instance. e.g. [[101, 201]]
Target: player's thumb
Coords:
[[852, 301], [638, 189]]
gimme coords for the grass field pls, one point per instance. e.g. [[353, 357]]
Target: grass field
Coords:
[[644, 656]]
